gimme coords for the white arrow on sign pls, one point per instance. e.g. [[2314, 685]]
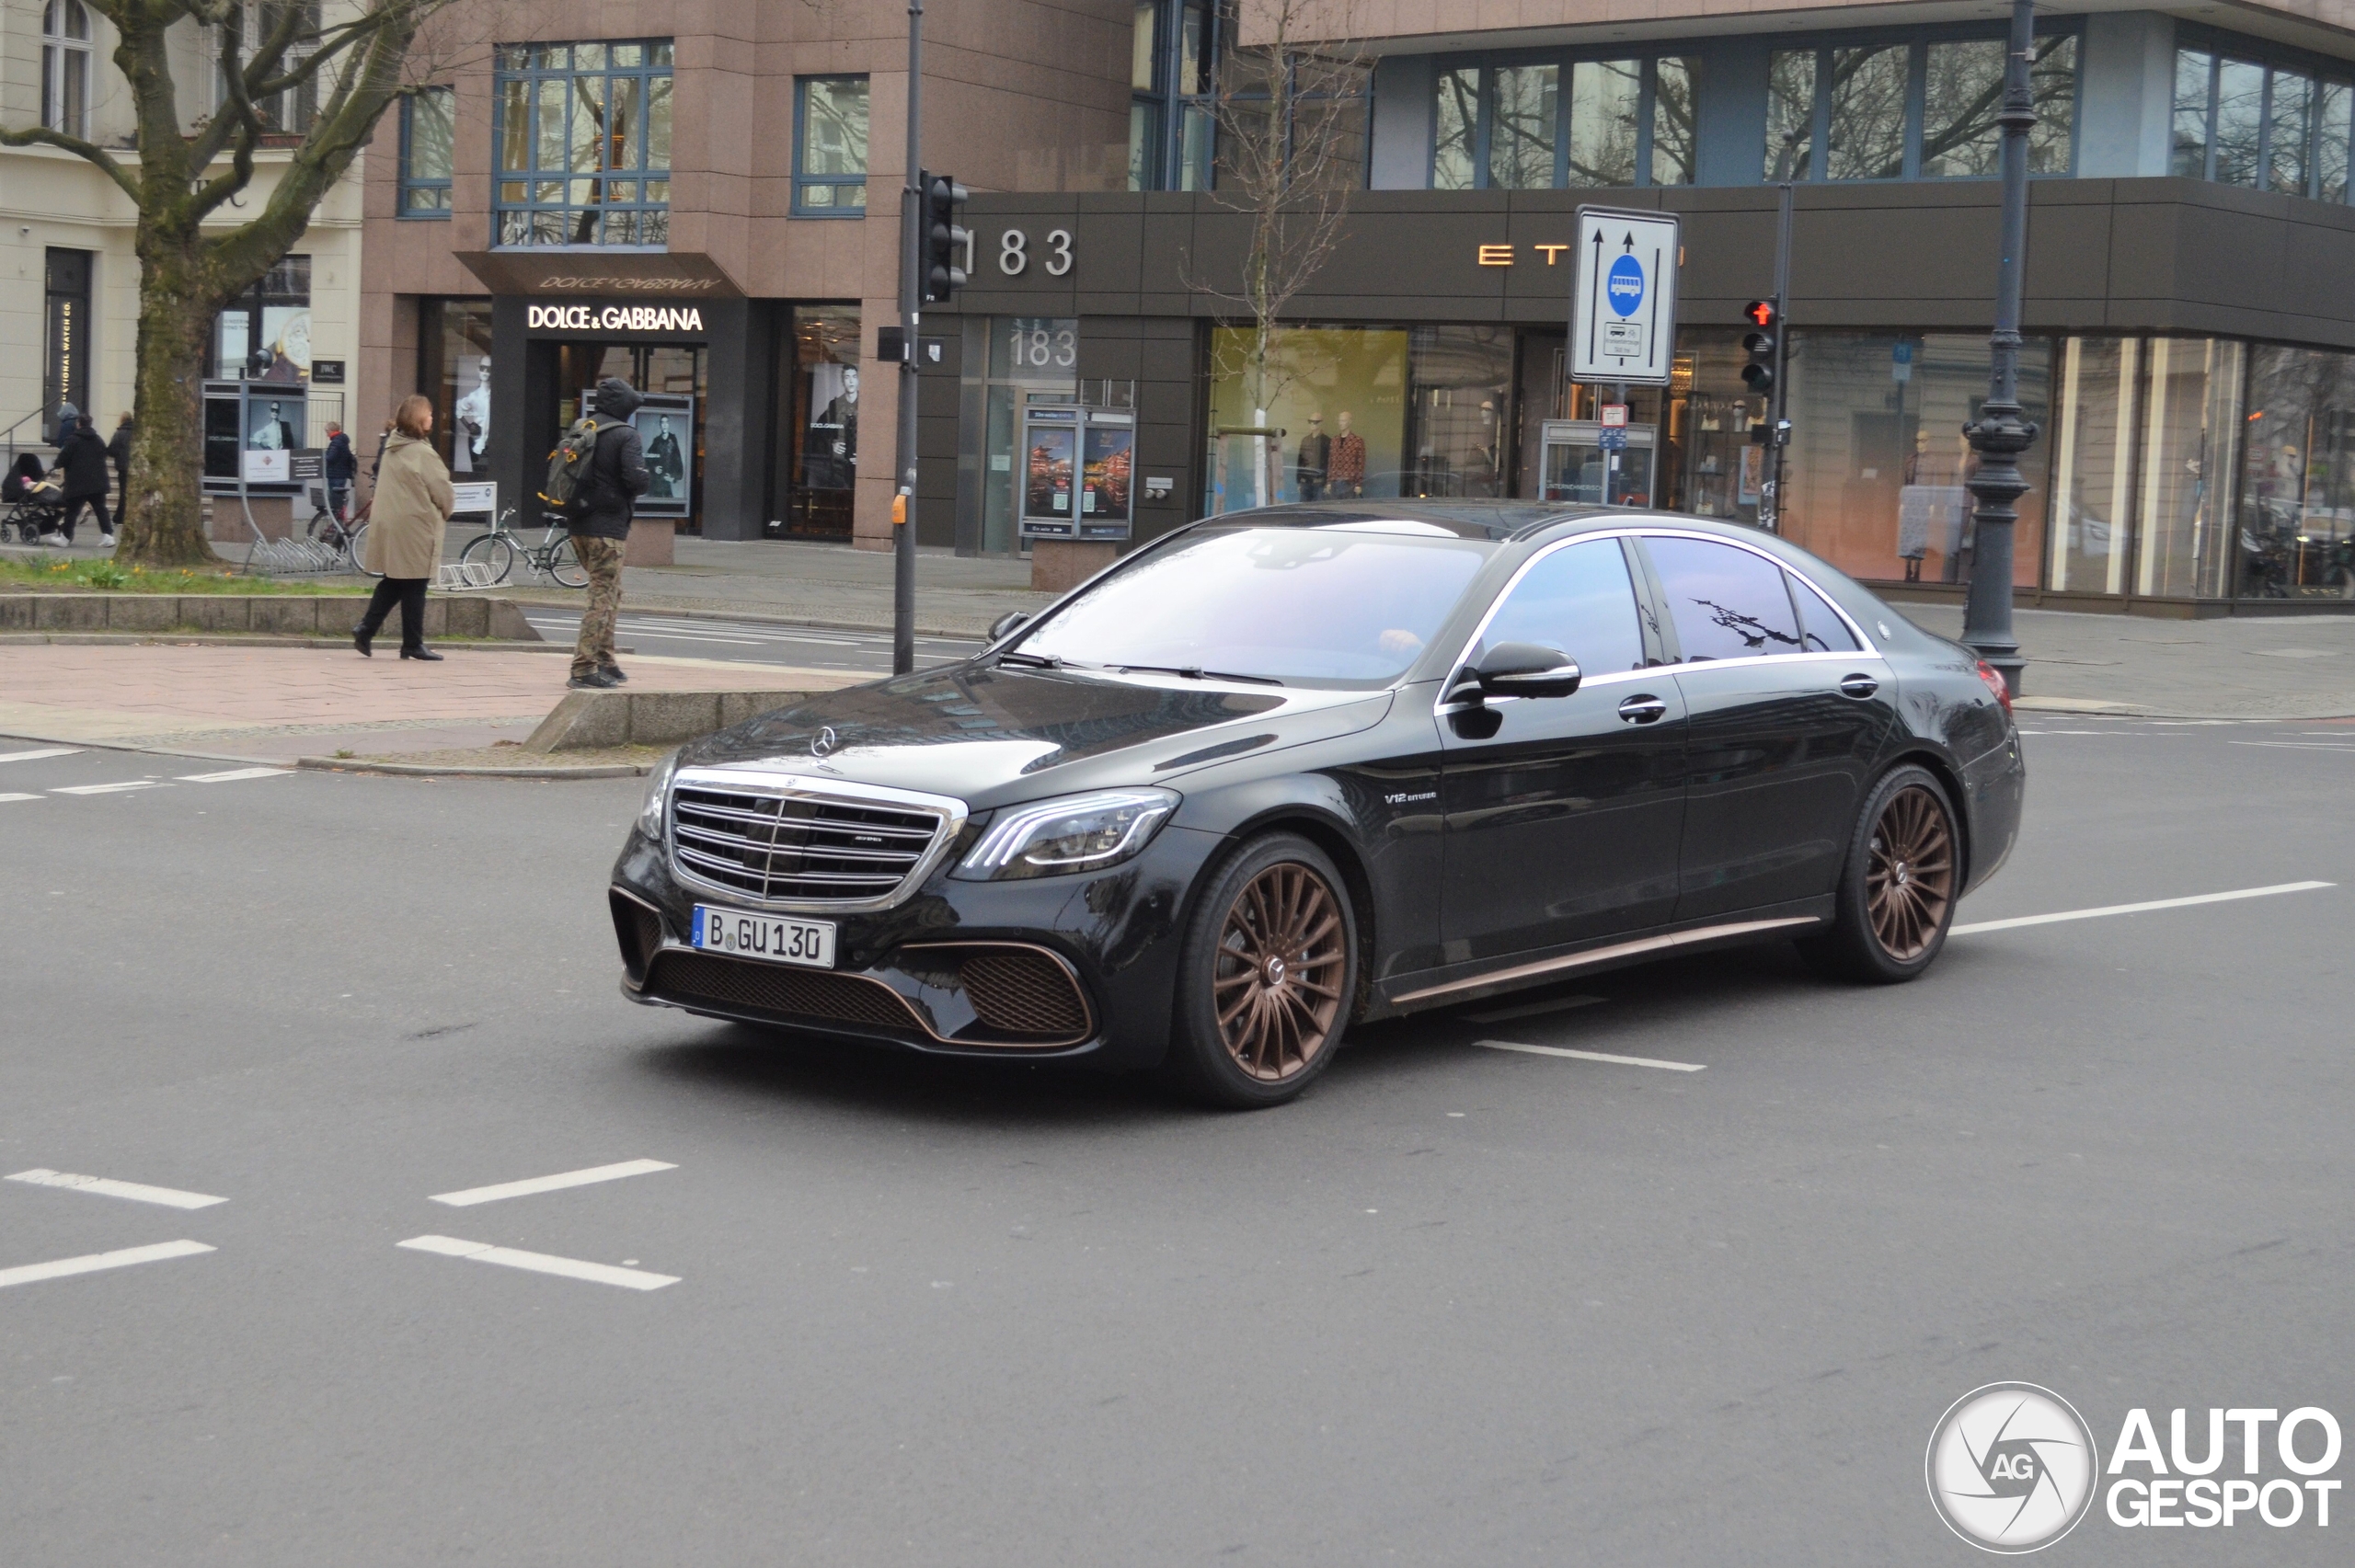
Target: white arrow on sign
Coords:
[[1623, 297]]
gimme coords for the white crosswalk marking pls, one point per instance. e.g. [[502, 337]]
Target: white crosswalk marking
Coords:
[[552, 1183], [111, 788], [235, 773], [92, 1262], [137, 1192], [537, 1263], [36, 756], [7, 797]]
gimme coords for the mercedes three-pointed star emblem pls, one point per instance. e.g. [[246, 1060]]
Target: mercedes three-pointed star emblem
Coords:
[[823, 746]]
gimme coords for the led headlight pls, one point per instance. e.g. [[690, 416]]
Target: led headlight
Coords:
[[1078, 832], [658, 791]]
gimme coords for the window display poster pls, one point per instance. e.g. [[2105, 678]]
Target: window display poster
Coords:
[[470, 416], [274, 424], [1340, 395], [1047, 474], [666, 437], [1104, 496]]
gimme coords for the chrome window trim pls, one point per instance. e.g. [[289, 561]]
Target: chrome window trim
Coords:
[[1442, 707], [951, 811]]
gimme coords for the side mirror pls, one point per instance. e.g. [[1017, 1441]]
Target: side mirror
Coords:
[[1007, 625], [1523, 670]]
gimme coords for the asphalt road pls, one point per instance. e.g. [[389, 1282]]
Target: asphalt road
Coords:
[[1459, 1305], [759, 642]]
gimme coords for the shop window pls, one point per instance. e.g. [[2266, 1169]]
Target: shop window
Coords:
[[454, 370], [1924, 110], [266, 333], [2296, 538], [582, 145], [830, 147], [1877, 469], [1325, 405], [2190, 434], [65, 67], [427, 126], [1459, 415], [2261, 126], [817, 446], [1510, 127]]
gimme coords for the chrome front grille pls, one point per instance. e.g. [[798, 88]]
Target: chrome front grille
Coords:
[[800, 845]]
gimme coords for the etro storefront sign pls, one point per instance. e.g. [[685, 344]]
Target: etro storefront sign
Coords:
[[613, 319]]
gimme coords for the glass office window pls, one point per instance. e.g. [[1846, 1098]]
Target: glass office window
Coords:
[[830, 147], [2240, 121], [1676, 105], [427, 126], [65, 67], [2332, 101], [2288, 98], [2053, 87], [1458, 129], [584, 143], [1605, 98], [1527, 117], [2264, 127], [1962, 91], [1790, 111], [1867, 134], [2194, 73]]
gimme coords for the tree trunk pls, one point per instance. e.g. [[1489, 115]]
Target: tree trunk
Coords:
[[163, 506]]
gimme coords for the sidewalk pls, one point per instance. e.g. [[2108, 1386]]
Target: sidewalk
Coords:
[[275, 705]]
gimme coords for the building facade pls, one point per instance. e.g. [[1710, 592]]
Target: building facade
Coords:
[[69, 271], [714, 214]]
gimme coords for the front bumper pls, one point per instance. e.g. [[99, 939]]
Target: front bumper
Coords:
[[1047, 968]]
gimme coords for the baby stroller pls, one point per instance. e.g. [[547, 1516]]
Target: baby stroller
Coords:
[[35, 501]]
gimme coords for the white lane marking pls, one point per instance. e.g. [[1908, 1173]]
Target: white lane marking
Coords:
[[2293, 745], [1532, 1008], [235, 773], [19, 797], [36, 756], [111, 788], [93, 1262], [137, 1192], [472, 1195], [540, 1263], [2139, 908], [1592, 1056]]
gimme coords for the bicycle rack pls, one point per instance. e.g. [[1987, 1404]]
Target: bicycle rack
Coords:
[[460, 577], [289, 556]]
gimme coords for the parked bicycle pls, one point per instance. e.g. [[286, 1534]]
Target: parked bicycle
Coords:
[[347, 537], [552, 557]]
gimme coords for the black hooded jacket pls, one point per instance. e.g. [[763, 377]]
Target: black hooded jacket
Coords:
[[83, 458], [617, 473]]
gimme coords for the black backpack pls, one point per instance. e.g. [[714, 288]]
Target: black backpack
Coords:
[[570, 463]]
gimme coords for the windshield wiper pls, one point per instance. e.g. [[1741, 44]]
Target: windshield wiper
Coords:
[[1034, 661], [1195, 672]]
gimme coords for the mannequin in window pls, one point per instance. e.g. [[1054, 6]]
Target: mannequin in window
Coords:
[[471, 418], [1316, 456], [1345, 469]]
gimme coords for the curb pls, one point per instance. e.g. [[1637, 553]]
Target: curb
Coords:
[[140, 751], [427, 770], [754, 618], [247, 639]]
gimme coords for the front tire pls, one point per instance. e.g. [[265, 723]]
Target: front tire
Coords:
[[360, 552], [1898, 886], [1267, 976]]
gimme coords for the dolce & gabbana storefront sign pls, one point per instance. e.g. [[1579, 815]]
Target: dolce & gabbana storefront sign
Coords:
[[613, 318]]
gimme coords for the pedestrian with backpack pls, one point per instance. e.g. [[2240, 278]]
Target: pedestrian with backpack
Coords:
[[596, 473]]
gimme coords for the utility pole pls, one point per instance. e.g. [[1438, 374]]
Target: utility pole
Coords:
[[1999, 435], [912, 267]]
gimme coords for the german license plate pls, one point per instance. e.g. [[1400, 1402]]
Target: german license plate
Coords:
[[741, 934]]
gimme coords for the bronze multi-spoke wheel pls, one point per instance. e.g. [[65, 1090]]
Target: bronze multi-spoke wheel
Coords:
[[1909, 879], [1898, 890], [1277, 983], [1268, 977]]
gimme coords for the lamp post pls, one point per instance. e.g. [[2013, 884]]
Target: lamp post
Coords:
[[1999, 435]]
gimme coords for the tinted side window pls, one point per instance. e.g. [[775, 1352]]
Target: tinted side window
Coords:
[[1727, 602], [1578, 599], [1824, 631]]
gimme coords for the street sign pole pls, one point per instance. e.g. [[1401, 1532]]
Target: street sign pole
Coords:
[[903, 501], [1770, 516], [1623, 298]]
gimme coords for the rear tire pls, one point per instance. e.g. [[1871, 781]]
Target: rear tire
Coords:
[[564, 565], [1266, 978], [1898, 886]]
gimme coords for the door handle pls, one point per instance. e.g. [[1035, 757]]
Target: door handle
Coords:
[[1859, 687], [1643, 710]]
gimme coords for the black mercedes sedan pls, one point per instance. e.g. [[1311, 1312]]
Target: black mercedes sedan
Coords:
[[1287, 770]]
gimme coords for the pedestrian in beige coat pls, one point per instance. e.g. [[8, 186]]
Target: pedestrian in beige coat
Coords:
[[406, 519]]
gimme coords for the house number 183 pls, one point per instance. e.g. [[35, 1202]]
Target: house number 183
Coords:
[[1013, 252]]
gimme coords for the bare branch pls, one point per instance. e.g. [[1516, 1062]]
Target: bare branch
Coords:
[[34, 136]]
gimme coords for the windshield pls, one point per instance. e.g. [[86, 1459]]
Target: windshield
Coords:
[[1308, 606]]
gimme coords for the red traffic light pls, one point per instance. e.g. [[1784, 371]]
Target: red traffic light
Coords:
[[1759, 312]]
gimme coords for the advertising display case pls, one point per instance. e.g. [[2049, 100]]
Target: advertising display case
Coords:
[[1078, 472]]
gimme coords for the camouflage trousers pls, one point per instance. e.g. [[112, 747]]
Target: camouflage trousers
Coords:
[[601, 559]]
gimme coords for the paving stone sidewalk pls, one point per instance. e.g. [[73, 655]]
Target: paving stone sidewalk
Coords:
[[274, 704]]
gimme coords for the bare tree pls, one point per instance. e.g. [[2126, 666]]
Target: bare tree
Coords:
[[1290, 112], [346, 74]]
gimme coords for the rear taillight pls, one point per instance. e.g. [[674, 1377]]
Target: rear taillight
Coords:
[[1987, 672]]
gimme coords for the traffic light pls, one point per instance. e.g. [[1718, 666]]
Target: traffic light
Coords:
[[944, 241], [1758, 374]]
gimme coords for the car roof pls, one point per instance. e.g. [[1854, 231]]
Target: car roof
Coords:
[[1492, 521]]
